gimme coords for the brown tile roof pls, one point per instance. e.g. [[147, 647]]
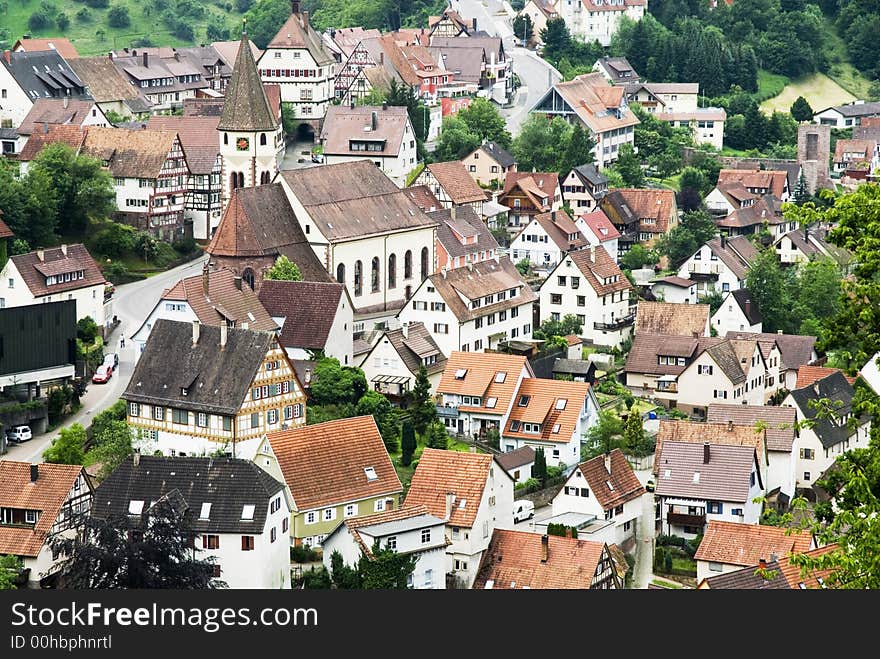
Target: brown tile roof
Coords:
[[467, 224], [423, 198], [131, 153], [586, 95], [415, 346], [223, 301], [47, 494], [55, 111], [652, 204], [341, 182], [453, 177], [725, 477], [544, 395], [480, 377], [559, 225], [646, 348], [792, 573], [246, 106], [716, 434], [534, 184], [514, 560], [5, 231], [63, 46], [517, 458], [297, 32], [807, 375], [344, 124], [863, 148], [34, 269], [733, 359], [772, 180], [674, 280], [779, 420], [228, 50], [736, 192], [766, 209], [795, 350], [395, 59], [462, 474], [672, 319], [323, 464], [597, 266], [308, 307], [733, 543], [626, 486], [483, 278], [198, 136], [72, 136]]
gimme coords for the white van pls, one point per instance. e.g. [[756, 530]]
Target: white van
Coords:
[[523, 509]]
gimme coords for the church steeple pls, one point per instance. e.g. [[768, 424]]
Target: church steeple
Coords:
[[246, 107]]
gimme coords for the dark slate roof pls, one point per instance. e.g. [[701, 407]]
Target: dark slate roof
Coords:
[[308, 309], [838, 390], [858, 109], [501, 156], [45, 74], [466, 219], [574, 366], [518, 458], [591, 174], [725, 356], [753, 314], [415, 346], [748, 578], [216, 378], [228, 484], [246, 107]]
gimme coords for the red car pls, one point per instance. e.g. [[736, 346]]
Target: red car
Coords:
[[103, 374]]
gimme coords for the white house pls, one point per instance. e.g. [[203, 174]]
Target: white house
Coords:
[[453, 185], [599, 230], [411, 530], [583, 187], [473, 494], [590, 20], [730, 370], [846, 116], [383, 135], [473, 308], [546, 238], [722, 264], [589, 284], [39, 502], [313, 316], [664, 97], [816, 448], [239, 513], [518, 463], [392, 364], [737, 313], [616, 70], [67, 272], [675, 289], [706, 124], [604, 488], [784, 354]]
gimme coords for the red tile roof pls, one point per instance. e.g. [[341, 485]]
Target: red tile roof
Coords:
[[463, 475], [626, 487], [453, 177], [600, 225], [772, 180], [601, 272], [733, 543], [480, 378], [557, 425], [33, 267], [309, 309], [807, 375], [72, 136], [63, 46]]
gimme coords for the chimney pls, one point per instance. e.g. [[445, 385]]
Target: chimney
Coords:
[[545, 548], [224, 330], [7, 55], [729, 425], [747, 306], [308, 377], [381, 57], [40, 254], [723, 241], [237, 281], [450, 498], [592, 253], [706, 453], [205, 280], [374, 120], [66, 102], [352, 102], [64, 250], [452, 212], [553, 216], [294, 6], [384, 105], [35, 473], [196, 328], [567, 531], [305, 19], [474, 24], [762, 564], [136, 458], [146, 60], [404, 329]]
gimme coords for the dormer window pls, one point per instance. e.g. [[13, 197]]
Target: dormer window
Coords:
[[183, 391], [135, 507], [500, 376], [247, 511], [371, 473], [460, 373], [524, 400], [205, 512]]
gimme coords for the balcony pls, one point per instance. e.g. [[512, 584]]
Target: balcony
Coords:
[[616, 324], [682, 519]]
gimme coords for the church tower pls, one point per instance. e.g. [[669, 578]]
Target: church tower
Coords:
[[250, 131]]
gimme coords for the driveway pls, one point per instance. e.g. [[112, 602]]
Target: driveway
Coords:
[[644, 549], [297, 155]]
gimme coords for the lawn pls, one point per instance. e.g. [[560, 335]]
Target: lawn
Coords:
[[841, 70], [769, 85], [86, 36], [819, 90]]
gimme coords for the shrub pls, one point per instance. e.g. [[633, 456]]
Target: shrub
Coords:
[[83, 15], [118, 16], [98, 4], [667, 563], [303, 554], [62, 20], [39, 20], [185, 245]]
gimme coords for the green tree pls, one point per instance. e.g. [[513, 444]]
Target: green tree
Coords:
[[557, 39], [264, 20], [524, 267], [404, 95], [288, 121], [333, 383], [638, 256], [695, 179], [767, 285], [375, 404], [87, 329], [385, 569], [604, 436], [10, 567], [117, 16], [541, 143], [816, 296], [283, 270], [483, 120], [695, 229], [63, 20], [523, 29], [578, 151], [569, 324], [455, 141], [539, 468], [67, 448], [113, 240], [801, 109], [633, 431], [157, 555], [407, 443], [342, 576], [436, 436], [629, 167], [422, 410], [111, 447]]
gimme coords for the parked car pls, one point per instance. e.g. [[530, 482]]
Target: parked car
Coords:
[[318, 157], [111, 359], [523, 509], [650, 485], [103, 374], [18, 434]]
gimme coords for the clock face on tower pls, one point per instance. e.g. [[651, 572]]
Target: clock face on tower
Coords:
[[242, 143]]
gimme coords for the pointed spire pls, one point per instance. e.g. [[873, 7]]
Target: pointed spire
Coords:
[[246, 107]]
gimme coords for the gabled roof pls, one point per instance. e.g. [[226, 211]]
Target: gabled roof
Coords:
[[425, 199], [479, 374], [751, 311], [725, 355], [613, 488], [644, 204], [59, 44], [596, 103], [795, 350], [590, 174], [774, 181], [333, 184], [296, 33], [733, 543], [466, 222], [344, 125], [415, 344], [246, 107], [228, 51], [439, 472], [34, 267], [558, 225], [716, 434], [216, 378], [45, 74], [543, 399], [47, 494], [839, 391], [130, 153], [777, 575], [55, 111], [807, 375], [535, 185], [862, 150], [672, 318], [215, 298], [859, 109], [574, 366], [725, 477], [380, 525], [198, 136], [498, 154], [675, 281], [226, 484], [603, 275], [514, 559], [646, 348], [308, 309], [600, 225], [453, 177], [767, 209], [477, 280], [465, 64], [615, 66], [779, 433], [326, 463], [72, 136], [517, 458], [736, 253]]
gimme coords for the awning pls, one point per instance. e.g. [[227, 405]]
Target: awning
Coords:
[[666, 378], [390, 379]]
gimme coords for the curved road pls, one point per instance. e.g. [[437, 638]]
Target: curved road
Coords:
[[131, 303]]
